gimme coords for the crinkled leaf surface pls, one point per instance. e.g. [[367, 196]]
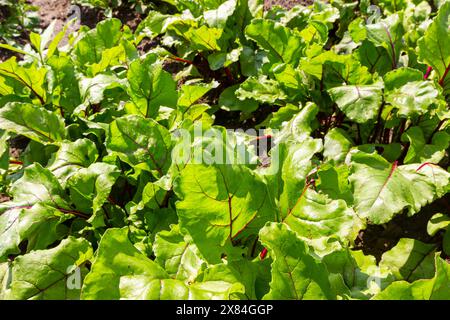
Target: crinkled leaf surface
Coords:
[[359, 102], [147, 288], [178, 254], [296, 274], [140, 142], [220, 204], [71, 157], [382, 190], [150, 87], [117, 257], [410, 260], [283, 44], [413, 98], [437, 288], [45, 274], [420, 151], [33, 122], [40, 225]]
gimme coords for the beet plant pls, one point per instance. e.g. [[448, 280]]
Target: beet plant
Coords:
[[223, 150]]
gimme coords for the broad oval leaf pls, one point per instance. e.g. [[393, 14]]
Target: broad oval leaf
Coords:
[[117, 257], [382, 190], [281, 42], [296, 274], [220, 204], [33, 122], [48, 274], [359, 102], [140, 142]]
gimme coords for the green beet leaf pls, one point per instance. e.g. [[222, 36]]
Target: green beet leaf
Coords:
[[434, 46], [436, 288], [147, 288], [50, 274], [410, 260], [296, 274], [221, 204], [33, 122], [359, 102], [71, 157], [116, 257], [382, 190], [281, 42], [178, 255], [150, 87], [140, 142]]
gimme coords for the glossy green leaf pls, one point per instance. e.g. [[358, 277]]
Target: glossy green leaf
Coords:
[[281, 42], [336, 145], [382, 190], [116, 257], [359, 103], [387, 33], [33, 122], [436, 288], [39, 225], [261, 89], [434, 46], [420, 151], [147, 288], [50, 274], [315, 217], [31, 77], [413, 98], [37, 185], [220, 204], [150, 87], [93, 43], [178, 255], [71, 157], [410, 260], [90, 187], [437, 222], [140, 142], [296, 274]]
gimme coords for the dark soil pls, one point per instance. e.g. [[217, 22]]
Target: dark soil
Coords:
[[377, 239], [61, 10], [17, 145], [129, 17], [91, 16], [50, 10], [6, 54]]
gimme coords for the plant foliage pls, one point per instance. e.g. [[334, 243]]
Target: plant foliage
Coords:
[[357, 108]]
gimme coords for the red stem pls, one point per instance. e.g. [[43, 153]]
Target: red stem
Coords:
[[16, 162], [181, 60], [441, 81], [229, 74], [427, 74], [394, 166], [263, 254], [112, 201], [267, 136], [424, 165]]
